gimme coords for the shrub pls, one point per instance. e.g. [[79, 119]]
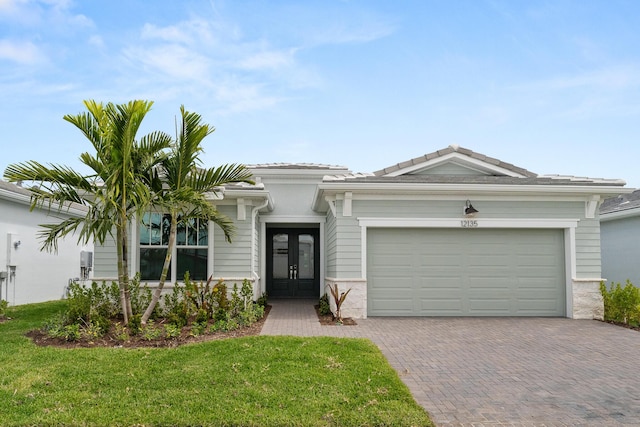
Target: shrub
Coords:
[[262, 300], [236, 305], [621, 304], [3, 308], [220, 297], [171, 331], [246, 293], [150, 331], [323, 305]]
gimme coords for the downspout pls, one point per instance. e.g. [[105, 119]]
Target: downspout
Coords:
[[254, 214]]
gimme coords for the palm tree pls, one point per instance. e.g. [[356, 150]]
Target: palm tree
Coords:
[[120, 186], [184, 188]]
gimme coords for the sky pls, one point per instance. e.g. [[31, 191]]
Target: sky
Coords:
[[552, 86]]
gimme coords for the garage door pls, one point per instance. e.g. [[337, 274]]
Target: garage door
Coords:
[[463, 272]]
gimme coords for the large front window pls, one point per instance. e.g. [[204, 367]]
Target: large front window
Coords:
[[190, 252]]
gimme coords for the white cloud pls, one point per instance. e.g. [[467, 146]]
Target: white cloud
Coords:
[[171, 60], [25, 53], [267, 60]]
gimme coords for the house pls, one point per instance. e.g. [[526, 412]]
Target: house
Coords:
[[450, 233], [620, 237], [27, 274]]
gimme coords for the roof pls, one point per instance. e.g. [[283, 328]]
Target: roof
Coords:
[[492, 171], [298, 166], [17, 193], [477, 179], [621, 203], [450, 150]]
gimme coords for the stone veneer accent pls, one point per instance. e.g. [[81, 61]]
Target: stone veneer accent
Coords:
[[355, 305], [587, 299]]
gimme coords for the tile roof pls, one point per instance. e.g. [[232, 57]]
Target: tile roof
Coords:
[[308, 166], [474, 179], [455, 149]]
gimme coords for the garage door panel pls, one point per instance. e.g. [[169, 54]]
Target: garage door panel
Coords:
[[393, 306], [440, 307], [454, 272], [489, 306]]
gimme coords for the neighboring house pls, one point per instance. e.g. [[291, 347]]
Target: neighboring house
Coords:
[[27, 274], [620, 238], [405, 239]]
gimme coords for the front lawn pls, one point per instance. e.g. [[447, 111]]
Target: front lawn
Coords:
[[249, 381]]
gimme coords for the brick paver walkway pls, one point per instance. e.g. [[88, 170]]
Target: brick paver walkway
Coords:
[[521, 372]]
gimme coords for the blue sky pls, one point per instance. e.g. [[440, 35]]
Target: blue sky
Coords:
[[551, 86]]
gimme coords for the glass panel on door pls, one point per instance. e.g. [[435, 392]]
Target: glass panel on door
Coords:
[[280, 247], [306, 267]]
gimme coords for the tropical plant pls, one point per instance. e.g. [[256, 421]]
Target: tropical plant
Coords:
[[621, 304], [338, 299], [119, 187], [185, 185]]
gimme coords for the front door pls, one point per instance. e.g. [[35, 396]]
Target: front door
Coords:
[[293, 263]]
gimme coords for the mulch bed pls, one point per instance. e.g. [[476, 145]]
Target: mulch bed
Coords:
[[329, 319], [41, 338]]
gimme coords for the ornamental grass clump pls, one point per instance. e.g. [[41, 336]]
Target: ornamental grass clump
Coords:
[[338, 299]]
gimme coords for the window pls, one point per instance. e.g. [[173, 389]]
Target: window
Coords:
[[190, 252]]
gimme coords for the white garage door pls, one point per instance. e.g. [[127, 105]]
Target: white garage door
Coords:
[[465, 272]]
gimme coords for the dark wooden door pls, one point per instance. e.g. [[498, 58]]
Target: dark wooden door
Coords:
[[293, 263]]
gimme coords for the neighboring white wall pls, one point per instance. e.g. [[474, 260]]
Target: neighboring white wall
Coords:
[[39, 276]]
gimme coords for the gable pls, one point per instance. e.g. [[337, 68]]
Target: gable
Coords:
[[451, 168], [455, 161]]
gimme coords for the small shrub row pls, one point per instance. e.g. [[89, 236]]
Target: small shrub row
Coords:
[[621, 303], [199, 307]]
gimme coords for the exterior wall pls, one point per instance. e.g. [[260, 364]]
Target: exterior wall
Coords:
[[105, 259], [330, 245], [621, 250], [584, 302], [232, 261], [39, 276]]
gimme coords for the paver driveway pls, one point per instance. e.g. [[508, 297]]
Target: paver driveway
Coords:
[[499, 371]]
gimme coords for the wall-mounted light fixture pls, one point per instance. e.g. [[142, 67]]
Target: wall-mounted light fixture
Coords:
[[469, 210], [17, 244]]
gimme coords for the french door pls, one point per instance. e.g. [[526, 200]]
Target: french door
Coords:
[[293, 263]]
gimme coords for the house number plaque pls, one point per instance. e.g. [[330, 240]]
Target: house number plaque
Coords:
[[469, 223]]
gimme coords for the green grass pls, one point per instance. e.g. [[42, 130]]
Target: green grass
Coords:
[[251, 381]]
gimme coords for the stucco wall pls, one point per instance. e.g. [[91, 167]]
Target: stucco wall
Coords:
[[39, 276]]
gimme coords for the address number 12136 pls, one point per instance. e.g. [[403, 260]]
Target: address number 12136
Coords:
[[469, 223]]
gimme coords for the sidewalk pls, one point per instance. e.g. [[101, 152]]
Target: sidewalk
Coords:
[[298, 318]]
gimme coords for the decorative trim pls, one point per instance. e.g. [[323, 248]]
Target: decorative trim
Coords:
[[332, 205], [591, 207], [477, 222], [346, 209], [267, 219], [460, 160], [242, 212]]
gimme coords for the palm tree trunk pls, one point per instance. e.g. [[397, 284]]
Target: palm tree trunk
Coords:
[[125, 269], [121, 275], [165, 269]]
